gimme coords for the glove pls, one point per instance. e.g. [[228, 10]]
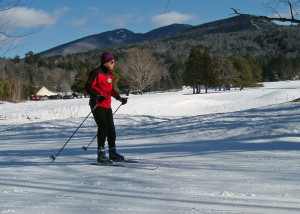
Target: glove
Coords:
[[101, 98], [123, 100]]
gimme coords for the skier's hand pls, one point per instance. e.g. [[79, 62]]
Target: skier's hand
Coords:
[[123, 100], [101, 98]]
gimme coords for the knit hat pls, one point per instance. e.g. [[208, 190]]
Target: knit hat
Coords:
[[106, 57]]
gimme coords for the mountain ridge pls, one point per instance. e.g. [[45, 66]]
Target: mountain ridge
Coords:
[[112, 38], [239, 25]]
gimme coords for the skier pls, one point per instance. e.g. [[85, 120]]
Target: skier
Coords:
[[100, 88]]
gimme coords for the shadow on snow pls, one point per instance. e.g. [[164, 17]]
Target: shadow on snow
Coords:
[[270, 128]]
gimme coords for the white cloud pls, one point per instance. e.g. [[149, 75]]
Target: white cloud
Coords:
[[171, 18], [79, 22], [119, 21], [93, 13], [23, 17]]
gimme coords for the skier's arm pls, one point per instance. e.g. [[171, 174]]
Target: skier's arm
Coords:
[[123, 100], [115, 94], [88, 86]]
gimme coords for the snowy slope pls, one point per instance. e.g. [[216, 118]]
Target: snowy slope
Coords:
[[222, 152]]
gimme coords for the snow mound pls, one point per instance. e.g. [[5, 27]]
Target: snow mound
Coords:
[[182, 103]]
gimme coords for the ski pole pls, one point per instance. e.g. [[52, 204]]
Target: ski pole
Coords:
[[54, 157], [86, 147]]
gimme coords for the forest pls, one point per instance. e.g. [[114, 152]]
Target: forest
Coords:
[[198, 58]]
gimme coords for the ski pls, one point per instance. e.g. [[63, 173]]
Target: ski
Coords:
[[109, 164], [127, 161], [130, 164], [140, 161], [137, 161]]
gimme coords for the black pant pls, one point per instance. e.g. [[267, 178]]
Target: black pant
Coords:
[[106, 127]]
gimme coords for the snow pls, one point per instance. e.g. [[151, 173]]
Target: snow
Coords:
[[222, 152]]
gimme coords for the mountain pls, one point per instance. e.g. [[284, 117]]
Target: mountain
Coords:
[[232, 24], [113, 38], [238, 34]]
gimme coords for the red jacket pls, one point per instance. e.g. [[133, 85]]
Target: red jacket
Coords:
[[100, 82]]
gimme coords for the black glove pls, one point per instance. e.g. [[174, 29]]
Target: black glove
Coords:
[[101, 98], [123, 100]]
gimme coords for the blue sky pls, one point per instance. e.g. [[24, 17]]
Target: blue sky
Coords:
[[62, 21]]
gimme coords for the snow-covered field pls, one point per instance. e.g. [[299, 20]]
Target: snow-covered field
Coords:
[[222, 152]]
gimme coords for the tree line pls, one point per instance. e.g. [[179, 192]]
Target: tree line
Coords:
[[203, 69], [141, 69]]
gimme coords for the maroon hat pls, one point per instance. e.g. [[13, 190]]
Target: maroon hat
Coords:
[[106, 57]]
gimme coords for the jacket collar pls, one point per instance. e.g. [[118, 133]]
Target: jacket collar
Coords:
[[105, 69]]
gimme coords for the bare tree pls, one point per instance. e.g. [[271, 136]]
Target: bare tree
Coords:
[[9, 37], [224, 71], [17, 89], [65, 86], [141, 69], [279, 8]]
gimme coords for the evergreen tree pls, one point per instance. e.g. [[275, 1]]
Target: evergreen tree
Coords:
[[5, 90], [207, 75], [199, 71], [16, 59], [30, 74], [176, 73], [117, 78], [296, 67], [80, 80], [1, 88], [31, 58], [255, 68], [243, 71], [280, 68], [29, 90], [191, 74]]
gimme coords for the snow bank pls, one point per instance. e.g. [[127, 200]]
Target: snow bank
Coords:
[[180, 104]]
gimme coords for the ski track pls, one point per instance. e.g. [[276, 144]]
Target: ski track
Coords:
[[245, 161]]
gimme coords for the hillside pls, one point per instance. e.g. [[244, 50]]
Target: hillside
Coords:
[[236, 35], [113, 38], [227, 36]]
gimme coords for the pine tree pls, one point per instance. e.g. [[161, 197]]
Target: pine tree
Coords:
[[207, 75], [176, 72], [191, 74], [280, 68], [198, 71], [243, 71], [6, 90], [80, 80], [117, 78], [29, 89], [255, 68]]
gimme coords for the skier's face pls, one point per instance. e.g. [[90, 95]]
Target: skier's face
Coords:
[[110, 65]]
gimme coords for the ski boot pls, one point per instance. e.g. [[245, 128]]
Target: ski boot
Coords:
[[102, 158], [114, 156]]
